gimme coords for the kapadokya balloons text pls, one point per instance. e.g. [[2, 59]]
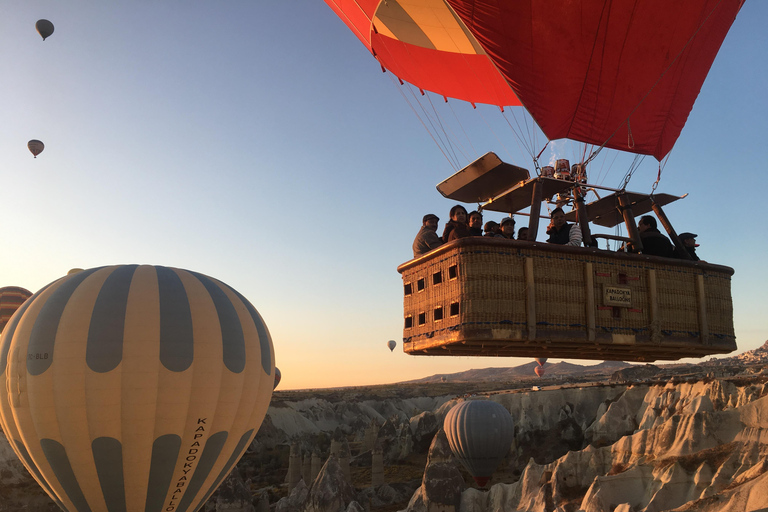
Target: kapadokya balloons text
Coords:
[[35, 147], [134, 388], [11, 298], [44, 28], [391, 344], [480, 433]]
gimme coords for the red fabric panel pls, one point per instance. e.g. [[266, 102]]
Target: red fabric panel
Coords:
[[468, 77], [582, 67], [357, 15]]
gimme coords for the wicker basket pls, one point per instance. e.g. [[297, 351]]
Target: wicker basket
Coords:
[[494, 297]]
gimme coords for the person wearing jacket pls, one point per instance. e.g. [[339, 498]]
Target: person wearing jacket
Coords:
[[427, 238], [458, 223], [562, 233]]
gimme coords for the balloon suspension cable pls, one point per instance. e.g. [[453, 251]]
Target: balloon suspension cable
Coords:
[[522, 144], [474, 151], [536, 158], [425, 127], [658, 176], [632, 168], [442, 127]]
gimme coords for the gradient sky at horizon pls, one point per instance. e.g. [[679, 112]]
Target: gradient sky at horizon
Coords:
[[260, 143]]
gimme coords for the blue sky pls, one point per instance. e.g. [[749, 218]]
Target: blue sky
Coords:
[[260, 143]]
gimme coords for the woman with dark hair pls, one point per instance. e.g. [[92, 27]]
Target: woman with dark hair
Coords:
[[457, 226]]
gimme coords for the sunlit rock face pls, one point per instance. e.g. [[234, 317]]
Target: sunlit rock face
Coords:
[[442, 485], [699, 446], [330, 492]]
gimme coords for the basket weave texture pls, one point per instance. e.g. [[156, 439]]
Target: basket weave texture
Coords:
[[481, 296]]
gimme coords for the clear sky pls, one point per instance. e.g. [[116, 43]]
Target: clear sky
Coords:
[[260, 143]]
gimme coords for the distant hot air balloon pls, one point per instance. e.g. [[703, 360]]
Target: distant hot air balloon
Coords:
[[278, 376], [11, 298], [74, 271], [443, 379], [134, 387], [480, 433], [539, 370], [391, 344], [44, 28], [35, 147], [541, 360]]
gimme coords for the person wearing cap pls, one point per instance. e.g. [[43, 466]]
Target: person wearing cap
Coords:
[[475, 223], [508, 228], [562, 233], [457, 226], [689, 242], [427, 238]]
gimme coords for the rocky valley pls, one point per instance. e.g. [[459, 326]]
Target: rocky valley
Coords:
[[604, 438]]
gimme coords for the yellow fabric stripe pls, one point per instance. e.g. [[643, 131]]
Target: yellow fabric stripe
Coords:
[[139, 386], [71, 401], [203, 385], [25, 428], [433, 18]]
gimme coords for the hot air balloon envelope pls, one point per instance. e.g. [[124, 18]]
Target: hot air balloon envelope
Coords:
[[35, 147], [541, 360], [278, 377], [625, 76], [539, 371], [44, 28], [391, 344], [480, 433], [11, 298], [134, 387], [426, 44]]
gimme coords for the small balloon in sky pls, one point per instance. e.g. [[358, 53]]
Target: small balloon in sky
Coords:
[[35, 147], [278, 377], [44, 28], [391, 344]]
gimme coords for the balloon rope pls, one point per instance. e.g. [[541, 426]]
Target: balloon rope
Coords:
[[425, 127], [445, 133], [462, 128]]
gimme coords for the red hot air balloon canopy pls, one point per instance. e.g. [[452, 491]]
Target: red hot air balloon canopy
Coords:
[[623, 74], [426, 44]]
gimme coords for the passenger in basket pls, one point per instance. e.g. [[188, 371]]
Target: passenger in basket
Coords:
[[522, 233], [475, 223], [689, 241], [508, 227], [562, 233], [492, 229], [457, 226], [427, 238], [654, 243]]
